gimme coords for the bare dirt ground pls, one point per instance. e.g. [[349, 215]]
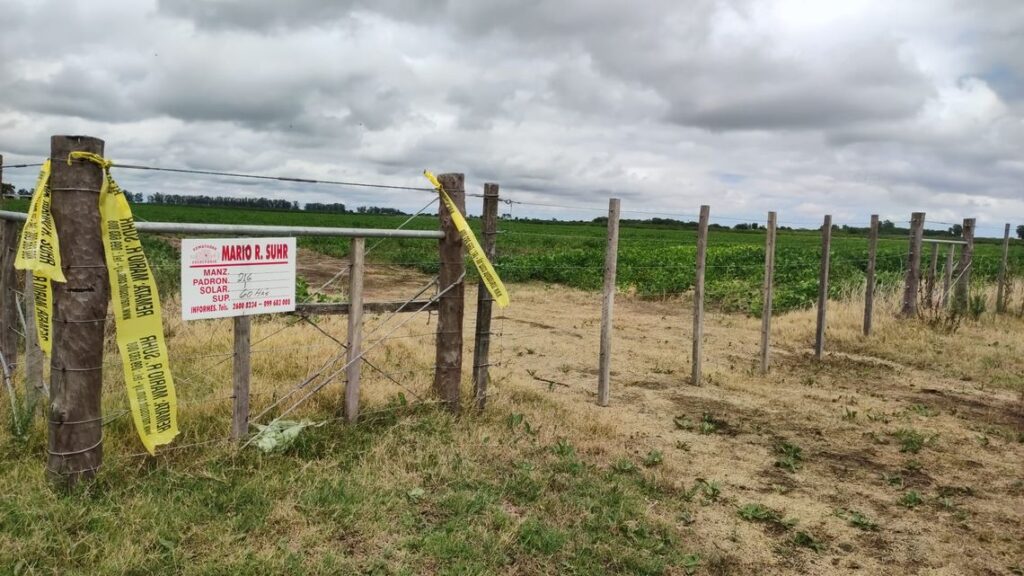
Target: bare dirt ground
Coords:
[[914, 414], [845, 413]]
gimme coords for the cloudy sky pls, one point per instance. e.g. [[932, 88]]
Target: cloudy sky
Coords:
[[846, 107]]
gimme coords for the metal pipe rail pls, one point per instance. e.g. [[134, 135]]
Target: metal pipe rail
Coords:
[[260, 230], [937, 241]]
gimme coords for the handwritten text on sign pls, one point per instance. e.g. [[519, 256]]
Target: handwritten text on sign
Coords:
[[237, 277]]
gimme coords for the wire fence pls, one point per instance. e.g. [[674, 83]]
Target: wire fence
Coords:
[[297, 359]]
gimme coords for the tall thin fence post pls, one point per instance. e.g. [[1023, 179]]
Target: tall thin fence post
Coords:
[[34, 386], [963, 284], [869, 288], [8, 287], [768, 293], [698, 295], [241, 376], [933, 269], [8, 294], [912, 282], [357, 258], [450, 278], [826, 257], [75, 439], [484, 300], [1001, 281], [611, 258], [947, 276]]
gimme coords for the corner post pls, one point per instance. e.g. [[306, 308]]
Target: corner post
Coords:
[[75, 438]]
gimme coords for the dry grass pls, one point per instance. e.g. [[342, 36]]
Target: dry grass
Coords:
[[806, 470]]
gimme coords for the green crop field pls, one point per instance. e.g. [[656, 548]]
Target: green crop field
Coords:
[[654, 260]]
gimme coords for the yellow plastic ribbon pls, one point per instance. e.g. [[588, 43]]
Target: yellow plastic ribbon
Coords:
[[39, 253], [476, 253], [137, 315]]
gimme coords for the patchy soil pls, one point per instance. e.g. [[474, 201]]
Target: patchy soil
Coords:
[[870, 429]]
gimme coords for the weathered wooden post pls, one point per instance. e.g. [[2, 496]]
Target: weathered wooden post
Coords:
[[869, 288], [963, 285], [698, 295], [75, 440], [826, 256], [913, 278], [484, 300], [450, 278], [8, 293], [932, 272], [611, 258], [1001, 281], [8, 286], [357, 258], [768, 290], [241, 376], [947, 276]]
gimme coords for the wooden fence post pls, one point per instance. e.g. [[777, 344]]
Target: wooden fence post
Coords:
[[611, 258], [963, 285], [947, 276], [1001, 281], [8, 342], [75, 439], [913, 278], [698, 295], [484, 300], [826, 257], [869, 289], [450, 278], [769, 280], [357, 258], [932, 273], [241, 376], [8, 294]]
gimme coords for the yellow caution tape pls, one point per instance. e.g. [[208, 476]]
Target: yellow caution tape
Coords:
[[140, 333], [136, 304], [476, 253], [39, 252]]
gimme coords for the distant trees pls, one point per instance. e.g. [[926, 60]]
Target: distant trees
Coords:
[[745, 226], [337, 207], [956, 230], [379, 210], [258, 203], [7, 189], [1020, 231]]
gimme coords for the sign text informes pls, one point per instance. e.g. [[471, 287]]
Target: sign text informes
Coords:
[[237, 277]]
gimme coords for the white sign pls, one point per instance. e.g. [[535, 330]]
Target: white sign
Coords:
[[237, 277]]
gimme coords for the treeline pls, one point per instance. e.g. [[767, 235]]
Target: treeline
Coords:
[[221, 201], [262, 204]]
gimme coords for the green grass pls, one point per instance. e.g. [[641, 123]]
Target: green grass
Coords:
[[654, 260], [407, 492]]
